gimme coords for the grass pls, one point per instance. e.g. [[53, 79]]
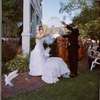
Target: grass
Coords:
[[83, 87]]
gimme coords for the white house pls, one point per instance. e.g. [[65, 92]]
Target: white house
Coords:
[[32, 15]]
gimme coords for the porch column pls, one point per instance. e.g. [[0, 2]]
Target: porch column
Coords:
[[0, 42], [26, 27]]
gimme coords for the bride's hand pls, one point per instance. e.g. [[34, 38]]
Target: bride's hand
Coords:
[[39, 36]]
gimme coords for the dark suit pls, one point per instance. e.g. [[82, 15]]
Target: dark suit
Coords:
[[73, 49]]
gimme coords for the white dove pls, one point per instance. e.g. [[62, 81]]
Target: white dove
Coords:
[[10, 77], [55, 35]]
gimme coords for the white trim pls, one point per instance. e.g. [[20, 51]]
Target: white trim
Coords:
[[26, 27]]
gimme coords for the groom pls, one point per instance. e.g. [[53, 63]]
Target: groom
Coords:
[[72, 48]]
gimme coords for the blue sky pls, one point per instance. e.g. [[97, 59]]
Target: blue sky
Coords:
[[51, 12]]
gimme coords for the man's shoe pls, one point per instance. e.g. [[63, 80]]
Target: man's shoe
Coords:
[[73, 75]]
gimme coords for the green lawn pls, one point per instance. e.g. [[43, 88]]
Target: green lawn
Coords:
[[83, 87]]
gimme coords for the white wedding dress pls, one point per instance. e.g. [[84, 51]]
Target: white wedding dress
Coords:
[[49, 68]]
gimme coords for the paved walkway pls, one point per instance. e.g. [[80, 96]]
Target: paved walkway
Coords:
[[22, 83]]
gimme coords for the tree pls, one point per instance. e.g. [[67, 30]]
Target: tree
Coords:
[[89, 18], [12, 13], [71, 5]]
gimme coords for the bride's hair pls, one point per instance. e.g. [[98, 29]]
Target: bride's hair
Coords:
[[40, 27], [40, 34]]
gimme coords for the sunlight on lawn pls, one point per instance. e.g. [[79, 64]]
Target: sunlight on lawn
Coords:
[[83, 87]]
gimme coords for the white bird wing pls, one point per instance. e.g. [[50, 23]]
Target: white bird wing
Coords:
[[55, 35], [12, 75]]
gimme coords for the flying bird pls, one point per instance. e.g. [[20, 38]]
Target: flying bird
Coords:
[[10, 77]]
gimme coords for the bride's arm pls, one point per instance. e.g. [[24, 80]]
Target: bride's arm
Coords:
[[39, 36]]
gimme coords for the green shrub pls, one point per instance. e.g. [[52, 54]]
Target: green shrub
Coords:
[[19, 62], [8, 46]]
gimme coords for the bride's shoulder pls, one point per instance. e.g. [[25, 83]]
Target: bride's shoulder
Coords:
[[39, 35]]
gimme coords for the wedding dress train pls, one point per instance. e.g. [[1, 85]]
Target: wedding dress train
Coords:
[[49, 68]]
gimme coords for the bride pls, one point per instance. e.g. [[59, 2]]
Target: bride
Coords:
[[49, 68]]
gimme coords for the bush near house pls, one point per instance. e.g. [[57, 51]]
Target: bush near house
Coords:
[[19, 62], [10, 58], [10, 48]]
